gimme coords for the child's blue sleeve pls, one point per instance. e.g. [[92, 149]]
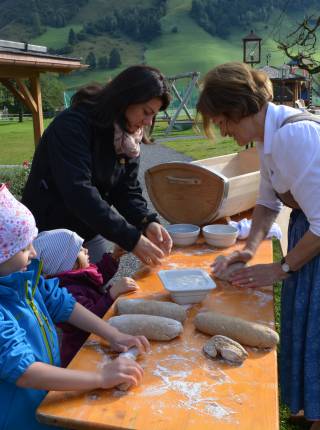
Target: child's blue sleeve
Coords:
[[59, 301], [15, 351]]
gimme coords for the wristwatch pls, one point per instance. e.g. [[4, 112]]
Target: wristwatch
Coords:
[[285, 266]]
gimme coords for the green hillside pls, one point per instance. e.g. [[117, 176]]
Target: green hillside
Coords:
[[55, 37], [183, 45], [189, 49]]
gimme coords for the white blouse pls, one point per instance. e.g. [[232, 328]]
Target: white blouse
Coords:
[[290, 161]]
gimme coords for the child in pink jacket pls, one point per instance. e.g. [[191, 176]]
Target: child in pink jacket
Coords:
[[64, 257]]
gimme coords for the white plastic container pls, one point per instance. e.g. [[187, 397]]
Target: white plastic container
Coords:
[[183, 234], [220, 235], [187, 285]]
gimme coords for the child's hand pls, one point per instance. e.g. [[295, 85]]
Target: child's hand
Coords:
[[122, 286], [118, 252], [121, 342], [121, 370]]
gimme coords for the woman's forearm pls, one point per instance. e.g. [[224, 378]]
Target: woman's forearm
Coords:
[[43, 376], [307, 248], [262, 220]]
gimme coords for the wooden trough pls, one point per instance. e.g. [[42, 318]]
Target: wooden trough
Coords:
[[205, 190]]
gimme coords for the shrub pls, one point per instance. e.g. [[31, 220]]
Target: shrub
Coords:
[[15, 178]]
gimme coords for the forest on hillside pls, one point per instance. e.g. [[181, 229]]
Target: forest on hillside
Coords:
[[39, 13], [220, 17], [140, 20], [134, 20]]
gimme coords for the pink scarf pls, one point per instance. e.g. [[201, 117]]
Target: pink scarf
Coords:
[[125, 143]]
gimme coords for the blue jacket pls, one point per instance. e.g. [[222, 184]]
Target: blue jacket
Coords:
[[29, 307]]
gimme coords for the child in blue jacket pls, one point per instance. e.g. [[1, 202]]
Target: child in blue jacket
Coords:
[[29, 307]]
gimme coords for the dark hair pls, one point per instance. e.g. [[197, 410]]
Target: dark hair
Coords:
[[136, 84], [233, 90]]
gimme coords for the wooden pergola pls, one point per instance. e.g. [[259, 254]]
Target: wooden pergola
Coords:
[[18, 66]]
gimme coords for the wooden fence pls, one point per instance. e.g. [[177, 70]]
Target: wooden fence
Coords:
[[14, 117]]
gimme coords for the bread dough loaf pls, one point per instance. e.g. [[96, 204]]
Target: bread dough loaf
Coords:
[[151, 307], [233, 267], [228, 349], [245, 332], [150, 326], [226, 274]]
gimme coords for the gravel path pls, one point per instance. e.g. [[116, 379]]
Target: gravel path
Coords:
[[150, 156]]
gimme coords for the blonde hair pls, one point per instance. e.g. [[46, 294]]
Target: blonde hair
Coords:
[[233, 90]]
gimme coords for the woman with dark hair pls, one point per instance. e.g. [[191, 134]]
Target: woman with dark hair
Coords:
[[84, 175], [237, 99]]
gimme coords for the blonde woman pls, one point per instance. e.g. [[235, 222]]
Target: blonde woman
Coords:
[[238, 100]]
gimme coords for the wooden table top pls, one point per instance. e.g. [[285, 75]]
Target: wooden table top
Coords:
[[181, 388]]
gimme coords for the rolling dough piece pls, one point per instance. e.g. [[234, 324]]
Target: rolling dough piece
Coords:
[[133, 354], [151, 307], [245, 332], [226, 274], [228, 349], [150, 326]]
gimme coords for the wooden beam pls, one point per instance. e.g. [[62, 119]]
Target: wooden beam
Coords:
[[32, 99], [29, 99], [12, 72], [37, 114], [15, 91]]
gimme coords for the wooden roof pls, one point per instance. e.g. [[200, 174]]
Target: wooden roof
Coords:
[[18, 63]]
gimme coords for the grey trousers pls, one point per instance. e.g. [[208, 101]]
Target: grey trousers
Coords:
[[97, 247]]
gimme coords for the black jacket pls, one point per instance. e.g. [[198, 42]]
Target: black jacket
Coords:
[[76, 177]]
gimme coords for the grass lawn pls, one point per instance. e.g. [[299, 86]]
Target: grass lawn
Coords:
[[16, 141], [16, 145]]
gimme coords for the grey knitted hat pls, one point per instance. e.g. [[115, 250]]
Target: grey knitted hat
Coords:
[[58, 250]]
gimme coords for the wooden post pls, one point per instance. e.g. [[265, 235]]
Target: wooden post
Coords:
[[31, 99], [38, 114]]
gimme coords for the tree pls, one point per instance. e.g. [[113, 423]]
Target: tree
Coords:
[[91, 60], [301, 45], [52, 92], [103, 62], [115, 59], [35, 18], [36, 24], [72, 38]]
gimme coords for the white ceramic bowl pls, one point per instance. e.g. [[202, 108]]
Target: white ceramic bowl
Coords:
[[220, 235], [187, 285], [183, 234]]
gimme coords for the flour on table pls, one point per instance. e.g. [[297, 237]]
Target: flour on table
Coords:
[[264, 298], [200, 251], [175, 265], [175, 374]]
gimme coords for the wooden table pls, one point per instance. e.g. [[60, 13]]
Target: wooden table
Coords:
[[182, 389]]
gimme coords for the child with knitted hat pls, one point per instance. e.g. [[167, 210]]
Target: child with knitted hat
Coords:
[[64, 257], [29, 307]]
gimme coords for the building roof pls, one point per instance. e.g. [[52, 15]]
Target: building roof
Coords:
[[282, 73], [16, 61]]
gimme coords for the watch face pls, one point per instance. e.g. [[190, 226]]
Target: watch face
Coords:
[[285, 267]]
